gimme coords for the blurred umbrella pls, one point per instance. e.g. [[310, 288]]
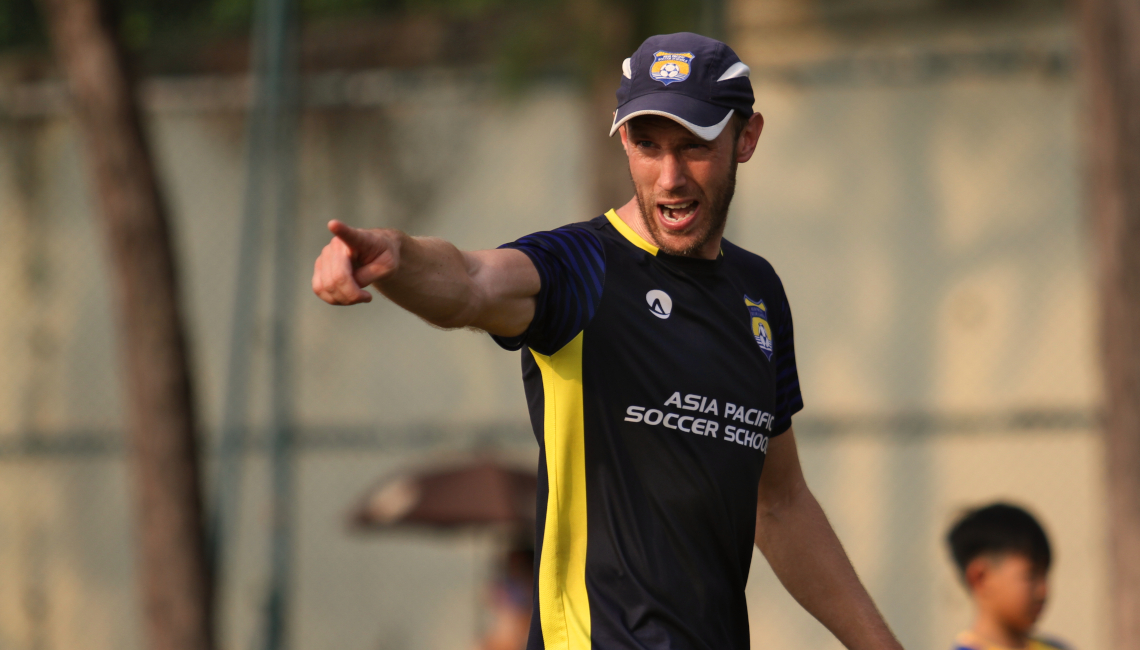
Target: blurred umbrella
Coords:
[[476, 493]]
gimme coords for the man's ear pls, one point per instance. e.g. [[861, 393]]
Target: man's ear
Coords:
[[749, 136]]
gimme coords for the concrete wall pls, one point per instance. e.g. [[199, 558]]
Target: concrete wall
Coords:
[[917, 187], [476, 170]]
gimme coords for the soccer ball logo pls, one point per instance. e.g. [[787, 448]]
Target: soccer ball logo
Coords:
[[670, 67]]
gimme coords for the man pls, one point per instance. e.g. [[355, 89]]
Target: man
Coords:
[[660, 374]]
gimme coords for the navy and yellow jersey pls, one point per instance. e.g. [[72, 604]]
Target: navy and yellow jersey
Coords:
[[969, 641], [654, 383]]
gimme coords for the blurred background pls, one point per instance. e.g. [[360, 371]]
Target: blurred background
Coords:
[[916, 187]]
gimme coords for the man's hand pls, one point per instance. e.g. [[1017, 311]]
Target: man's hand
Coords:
[[354, 259], [491, 290]]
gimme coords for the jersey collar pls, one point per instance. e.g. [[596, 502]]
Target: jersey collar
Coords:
[[629, 234], [639, 241]]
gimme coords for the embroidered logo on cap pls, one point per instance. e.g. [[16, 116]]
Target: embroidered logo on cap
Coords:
[[670, 67]]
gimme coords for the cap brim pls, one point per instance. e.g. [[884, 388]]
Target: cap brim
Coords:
[[705, 120]]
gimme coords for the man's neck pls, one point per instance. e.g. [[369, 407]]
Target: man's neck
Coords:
[[630, 213]]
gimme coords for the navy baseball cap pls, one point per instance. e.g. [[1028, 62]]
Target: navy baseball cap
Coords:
[[691, 79]]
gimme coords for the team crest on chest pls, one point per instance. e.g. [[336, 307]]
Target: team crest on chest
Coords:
[[670, 67], [760, 329]]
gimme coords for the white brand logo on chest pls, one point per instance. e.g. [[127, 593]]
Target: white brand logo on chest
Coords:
[[660, 304]]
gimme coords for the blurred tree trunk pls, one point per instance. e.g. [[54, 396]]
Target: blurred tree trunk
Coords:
[[610, 41], [1111, 65], [174, 579]]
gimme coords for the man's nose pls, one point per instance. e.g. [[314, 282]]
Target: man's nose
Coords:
[[672, 175]]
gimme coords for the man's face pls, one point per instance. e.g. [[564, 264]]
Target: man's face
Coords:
[[1011, 590], [684, 184]]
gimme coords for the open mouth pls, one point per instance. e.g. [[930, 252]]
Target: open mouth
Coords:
[[677, 216]]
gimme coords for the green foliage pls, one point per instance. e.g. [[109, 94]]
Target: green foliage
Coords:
[[662, 16], [585, 38], [20, 24], [231, 14], [529, 37]]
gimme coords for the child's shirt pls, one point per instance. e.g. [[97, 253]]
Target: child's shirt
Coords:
[[969, 641]]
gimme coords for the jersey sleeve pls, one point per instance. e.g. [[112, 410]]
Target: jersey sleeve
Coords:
[[571, 264], [789, 401]]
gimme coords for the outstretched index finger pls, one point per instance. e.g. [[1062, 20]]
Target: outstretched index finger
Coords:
[[353, 237]]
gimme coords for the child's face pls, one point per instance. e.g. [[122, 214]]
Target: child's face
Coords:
[[1010, 589]]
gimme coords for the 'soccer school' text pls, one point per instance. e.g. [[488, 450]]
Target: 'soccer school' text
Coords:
[[703, 426]]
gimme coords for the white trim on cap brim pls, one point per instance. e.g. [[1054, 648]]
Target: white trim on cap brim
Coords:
[[734, 71], [702, 132]]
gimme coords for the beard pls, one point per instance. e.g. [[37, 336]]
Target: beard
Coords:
[[714, 203]]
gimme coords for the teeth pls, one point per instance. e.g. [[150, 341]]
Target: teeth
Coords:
[[668, 210]]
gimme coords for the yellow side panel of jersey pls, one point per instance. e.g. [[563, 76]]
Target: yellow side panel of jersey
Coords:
[[564, 607]]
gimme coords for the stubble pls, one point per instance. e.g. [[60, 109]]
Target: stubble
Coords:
[[716, 202]]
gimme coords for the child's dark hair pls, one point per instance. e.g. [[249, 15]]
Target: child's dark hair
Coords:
[[997, 529]]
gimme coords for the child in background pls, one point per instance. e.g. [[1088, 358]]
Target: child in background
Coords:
[[1003, 558], [511, 601]]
